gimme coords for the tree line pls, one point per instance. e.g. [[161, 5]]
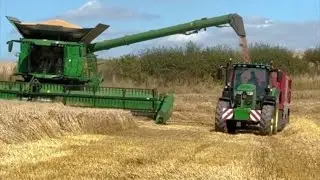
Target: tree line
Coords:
[[189, 63]]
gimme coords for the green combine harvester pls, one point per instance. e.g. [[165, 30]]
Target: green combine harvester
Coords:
[[58, 64]]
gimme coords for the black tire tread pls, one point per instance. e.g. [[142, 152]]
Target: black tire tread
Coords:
[[267, 114], [220, 125]]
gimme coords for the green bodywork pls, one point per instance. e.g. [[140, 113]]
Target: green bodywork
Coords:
[[245, 99], [59, 64], [75, 62]]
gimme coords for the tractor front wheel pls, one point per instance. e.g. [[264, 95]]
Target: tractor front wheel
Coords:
[[220, 123], [267, 118]]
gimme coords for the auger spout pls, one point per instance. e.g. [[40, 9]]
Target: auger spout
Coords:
[[234, 20]]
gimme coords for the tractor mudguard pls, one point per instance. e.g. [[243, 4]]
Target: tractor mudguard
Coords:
[[225, 99], [270, 99]]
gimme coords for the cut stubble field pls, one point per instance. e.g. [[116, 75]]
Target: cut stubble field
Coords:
[[51, 141], [185, 148]]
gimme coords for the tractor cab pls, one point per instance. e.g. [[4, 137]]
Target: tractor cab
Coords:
[[249, 79], [246, 83]]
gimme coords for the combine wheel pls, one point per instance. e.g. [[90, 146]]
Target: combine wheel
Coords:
[[220, 124], [267, 125]]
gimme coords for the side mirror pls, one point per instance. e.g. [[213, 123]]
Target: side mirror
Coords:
[[219, 73], [10, 45]]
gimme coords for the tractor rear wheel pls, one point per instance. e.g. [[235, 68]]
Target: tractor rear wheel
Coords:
[[267, 116], [220, 124]]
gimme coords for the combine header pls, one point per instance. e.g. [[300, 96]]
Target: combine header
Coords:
[[57, 63], [255, 96]]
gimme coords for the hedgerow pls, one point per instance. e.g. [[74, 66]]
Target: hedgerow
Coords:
[[191, 63]]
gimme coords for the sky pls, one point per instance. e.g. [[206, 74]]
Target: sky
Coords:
[[294, 24]]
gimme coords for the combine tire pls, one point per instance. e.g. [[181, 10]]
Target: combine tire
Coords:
[[267, 126], [220, 124]]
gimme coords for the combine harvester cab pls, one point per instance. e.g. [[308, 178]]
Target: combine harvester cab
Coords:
[[58, 64], [255, 96]]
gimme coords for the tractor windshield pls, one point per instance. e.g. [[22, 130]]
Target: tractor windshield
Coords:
[[251, 75]]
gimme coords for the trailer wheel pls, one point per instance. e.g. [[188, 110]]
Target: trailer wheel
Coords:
[[220, 124], [286, 119], [266, 122], [281, 120]]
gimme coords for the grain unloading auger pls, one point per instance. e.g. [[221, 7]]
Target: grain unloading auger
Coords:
[[57, 63]]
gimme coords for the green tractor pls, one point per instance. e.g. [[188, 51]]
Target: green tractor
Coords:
[[255, 97]]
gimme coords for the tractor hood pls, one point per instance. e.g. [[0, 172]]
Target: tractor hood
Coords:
[[248, 88], [245, 96]]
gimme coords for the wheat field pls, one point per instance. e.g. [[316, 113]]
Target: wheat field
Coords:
[[23, 122], [51, 141], [185, 148]]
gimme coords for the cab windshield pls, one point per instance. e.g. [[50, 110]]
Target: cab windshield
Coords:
[[256, 76]]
